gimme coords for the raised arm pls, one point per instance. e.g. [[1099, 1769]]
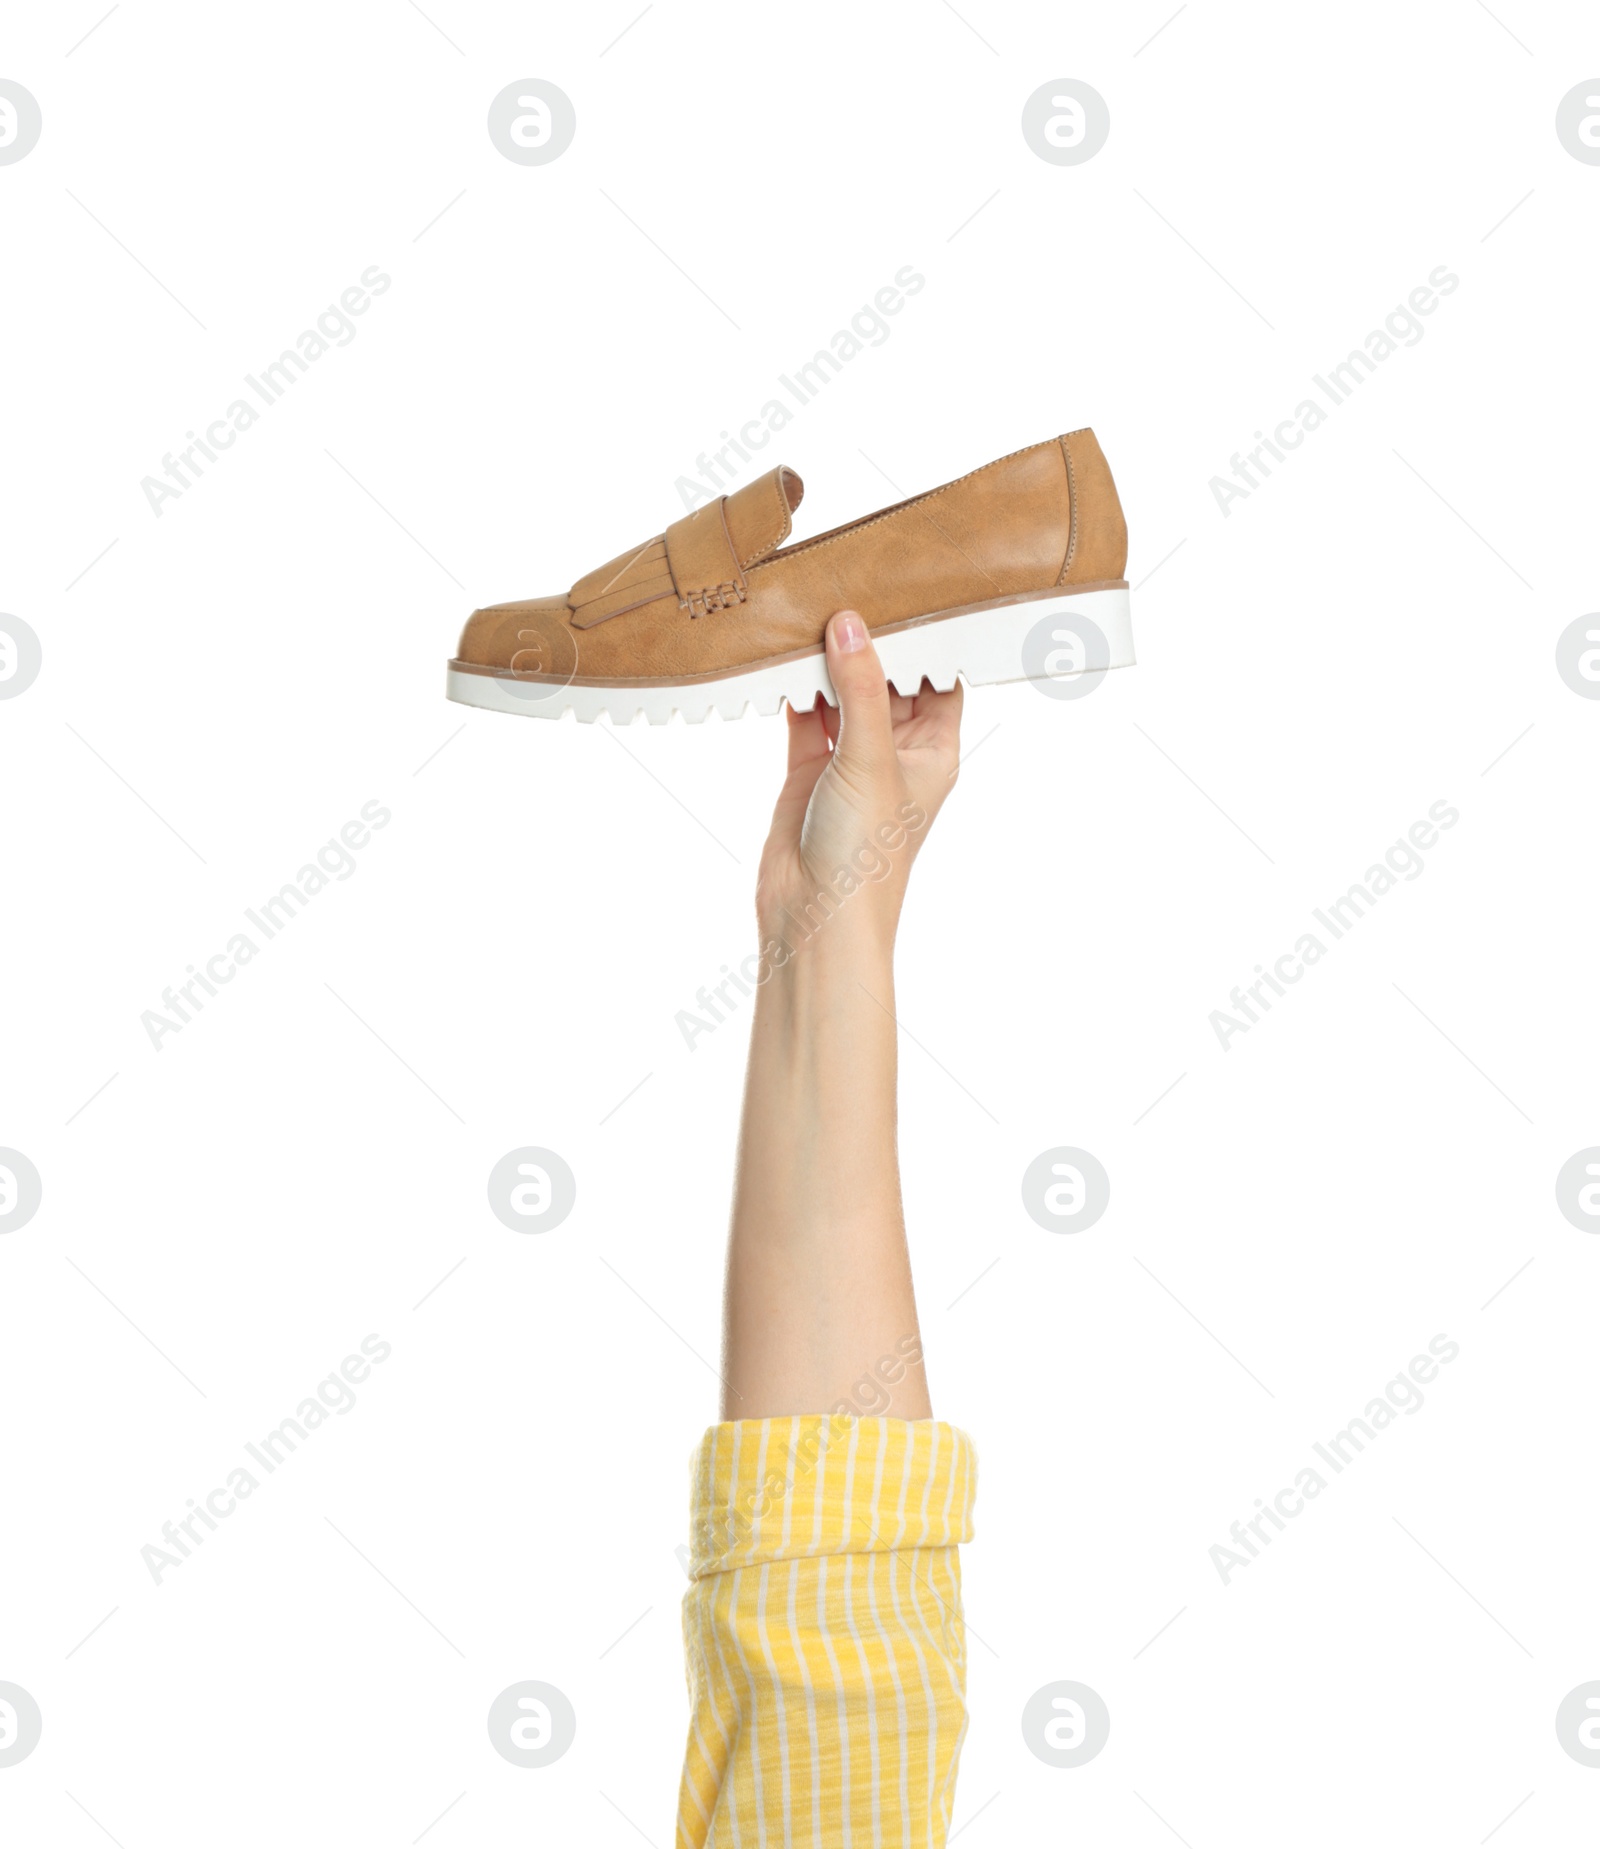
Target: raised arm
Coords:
[[819, 1280], [823, 1636]]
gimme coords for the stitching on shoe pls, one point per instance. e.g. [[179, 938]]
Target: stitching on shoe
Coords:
[[713, 597], [1072, 507], [784, 522], [815, 545], [733, 550]]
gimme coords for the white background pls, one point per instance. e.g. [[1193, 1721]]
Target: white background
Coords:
[[230, 682]]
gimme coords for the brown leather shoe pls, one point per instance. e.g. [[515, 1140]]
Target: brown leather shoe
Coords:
[[1014, 572]]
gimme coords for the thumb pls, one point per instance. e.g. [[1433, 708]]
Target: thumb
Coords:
[[866, 733]]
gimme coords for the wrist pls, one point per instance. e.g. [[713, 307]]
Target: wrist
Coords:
[[800, 948], [830, 998], [839, 885]]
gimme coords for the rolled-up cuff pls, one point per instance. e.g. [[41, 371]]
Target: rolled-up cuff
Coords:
[[812, 1484]]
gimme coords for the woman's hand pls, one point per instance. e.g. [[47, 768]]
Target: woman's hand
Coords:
[[865, 782]]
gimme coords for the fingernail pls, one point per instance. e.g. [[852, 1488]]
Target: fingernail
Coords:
[[850, 633]]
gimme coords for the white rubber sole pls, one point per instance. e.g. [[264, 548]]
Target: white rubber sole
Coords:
[[1066, 642]]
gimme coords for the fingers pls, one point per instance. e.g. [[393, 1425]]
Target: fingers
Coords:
[[866, 728], [946, 721], [808, 738], [942, 711]]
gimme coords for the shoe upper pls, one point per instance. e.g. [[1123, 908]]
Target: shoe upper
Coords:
[[719, 590]]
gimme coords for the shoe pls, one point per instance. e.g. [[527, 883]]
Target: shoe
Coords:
[[1004, 575]]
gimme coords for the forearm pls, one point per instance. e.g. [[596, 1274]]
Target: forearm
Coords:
[[819, 1289]]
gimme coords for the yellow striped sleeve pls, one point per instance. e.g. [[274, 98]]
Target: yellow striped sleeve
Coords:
[[822, 1633]]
